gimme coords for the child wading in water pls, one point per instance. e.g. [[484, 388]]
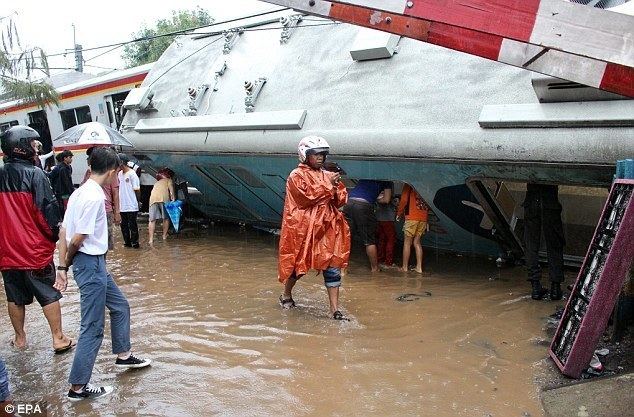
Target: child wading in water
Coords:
[[416, 212], [315, 234]]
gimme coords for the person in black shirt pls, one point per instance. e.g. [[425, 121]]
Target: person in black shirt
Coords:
[[62, 178]]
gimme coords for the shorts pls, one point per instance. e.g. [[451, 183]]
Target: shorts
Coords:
[[22, 285], [110, 223], [413, 228], [157, 212], [362, 220]]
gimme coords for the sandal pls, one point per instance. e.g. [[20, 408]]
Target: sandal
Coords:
[[338, 315], [59, 351], [287, 302]]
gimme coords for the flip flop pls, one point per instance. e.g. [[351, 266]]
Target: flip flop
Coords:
[[65, 349]]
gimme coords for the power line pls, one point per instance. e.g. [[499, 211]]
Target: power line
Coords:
[[216, 33], [96, 66], [221, 37], [182, 60], [179, 32], [103, 53]]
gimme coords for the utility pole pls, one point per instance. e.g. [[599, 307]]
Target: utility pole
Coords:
[[79, 58]]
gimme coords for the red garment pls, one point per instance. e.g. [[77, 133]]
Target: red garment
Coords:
[[315, 234], [386, 239], [29, 219]]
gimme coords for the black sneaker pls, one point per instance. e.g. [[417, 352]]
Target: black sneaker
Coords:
[[88, 392], [132, 362], [136, 246]]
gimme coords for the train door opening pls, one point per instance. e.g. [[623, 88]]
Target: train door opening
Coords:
[[114, 103], [39, 122], [501, 202]]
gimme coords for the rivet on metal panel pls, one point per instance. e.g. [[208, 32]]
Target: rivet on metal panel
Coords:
[[410, 4], [311, 3], [388, 20]]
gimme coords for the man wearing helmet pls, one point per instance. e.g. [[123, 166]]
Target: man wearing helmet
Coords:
[[314, 234], [28, 231]]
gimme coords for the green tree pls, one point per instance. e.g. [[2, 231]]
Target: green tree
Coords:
[[18, 68], [144, 52]]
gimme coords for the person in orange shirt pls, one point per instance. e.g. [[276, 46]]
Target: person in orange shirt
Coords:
[[315, 234], [416, 211]]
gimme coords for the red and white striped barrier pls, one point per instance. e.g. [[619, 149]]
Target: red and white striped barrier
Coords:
[[583, 44]]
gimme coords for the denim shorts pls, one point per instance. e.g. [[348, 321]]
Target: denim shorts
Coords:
[[332, 277]]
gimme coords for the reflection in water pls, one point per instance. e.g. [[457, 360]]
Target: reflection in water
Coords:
[[205, 310]]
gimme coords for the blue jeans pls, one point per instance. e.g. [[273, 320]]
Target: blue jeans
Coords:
[[97, 291], [4, 382]]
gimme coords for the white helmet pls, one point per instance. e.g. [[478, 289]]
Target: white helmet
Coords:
[[312, 145]]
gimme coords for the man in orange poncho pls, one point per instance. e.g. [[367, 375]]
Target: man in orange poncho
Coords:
[[315, 234]]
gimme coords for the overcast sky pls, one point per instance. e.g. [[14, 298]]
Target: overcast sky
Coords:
[[48, 24]]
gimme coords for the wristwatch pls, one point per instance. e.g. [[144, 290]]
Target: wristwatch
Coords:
[[62, 268]]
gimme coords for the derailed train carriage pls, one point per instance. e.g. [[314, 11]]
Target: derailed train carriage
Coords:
[[226, 106]]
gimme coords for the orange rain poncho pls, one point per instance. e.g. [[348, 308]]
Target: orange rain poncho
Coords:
[[315, 234]]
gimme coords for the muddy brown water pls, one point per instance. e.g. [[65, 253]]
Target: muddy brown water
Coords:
[[204, 309]]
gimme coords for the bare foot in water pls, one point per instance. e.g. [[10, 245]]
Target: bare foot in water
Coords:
[[420, 271], [18, 343]]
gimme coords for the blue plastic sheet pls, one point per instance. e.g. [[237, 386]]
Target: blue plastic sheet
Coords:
[[174, 210], [625, 169]]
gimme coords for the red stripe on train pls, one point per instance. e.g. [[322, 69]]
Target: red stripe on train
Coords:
[[83, 91]]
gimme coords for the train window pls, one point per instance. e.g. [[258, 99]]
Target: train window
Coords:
[[83, 114], [7, 125], [72, 117]]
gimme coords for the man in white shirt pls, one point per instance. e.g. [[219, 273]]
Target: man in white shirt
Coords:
[[129, 188], [83, 243]]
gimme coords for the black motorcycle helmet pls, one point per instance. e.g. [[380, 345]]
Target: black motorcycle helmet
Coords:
[[16, 142]]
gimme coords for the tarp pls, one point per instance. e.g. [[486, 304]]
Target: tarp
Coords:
[[174, 210]]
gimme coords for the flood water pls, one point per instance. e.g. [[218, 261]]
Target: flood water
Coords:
[[204, 309]]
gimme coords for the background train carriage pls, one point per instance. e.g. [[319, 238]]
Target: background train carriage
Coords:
[[83, 98]]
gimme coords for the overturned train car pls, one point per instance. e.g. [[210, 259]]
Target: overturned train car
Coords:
[[226, 106]]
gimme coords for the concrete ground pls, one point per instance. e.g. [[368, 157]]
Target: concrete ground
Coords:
[[606, 397]]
